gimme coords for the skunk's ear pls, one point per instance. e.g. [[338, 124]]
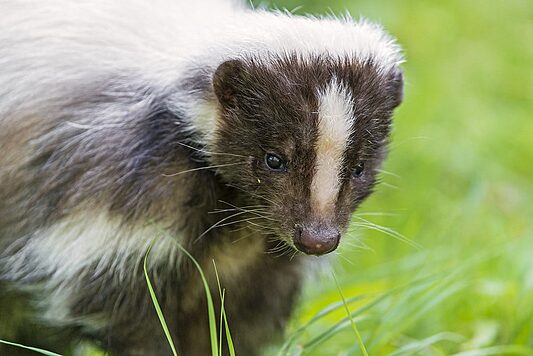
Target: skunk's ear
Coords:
[[226, 81], [396, 87]]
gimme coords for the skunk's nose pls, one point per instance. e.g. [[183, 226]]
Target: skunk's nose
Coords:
[[316, 240]]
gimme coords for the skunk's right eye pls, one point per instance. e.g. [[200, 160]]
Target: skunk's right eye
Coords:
[[358, 170], [274, 162]]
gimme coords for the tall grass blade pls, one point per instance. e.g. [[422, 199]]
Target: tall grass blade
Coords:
[[156, 304], [231, 348], [223, 316], [331, 332], [418, 346], [41, 351], [354, 327], [328, 333], [210, 306], [220, 325], [321, 314], [499, 350]]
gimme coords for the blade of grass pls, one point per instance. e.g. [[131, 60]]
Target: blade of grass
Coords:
[[424, 282], [413, 304], [35, 349], [222, 295], [284, 349], [231, 348], [499, 350], [331, 332], [322, 313], [210, 306], [418, 346], [354, 327], [223, 316], [424, 302], [156, 304]]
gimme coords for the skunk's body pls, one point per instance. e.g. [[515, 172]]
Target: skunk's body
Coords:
[[123, 124]]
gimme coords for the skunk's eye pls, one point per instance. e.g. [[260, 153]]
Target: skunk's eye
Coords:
[[358, 170], [274, 162]]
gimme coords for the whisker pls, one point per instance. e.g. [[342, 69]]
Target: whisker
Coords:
[[294, 254], [260, 213], [238, 221], [282, 249], [388, 173], [216, 211], [344, 258], [387, 231], [234, 206], [217, 224], [352, 246], [256, 212], [253, 194], [210, 152], [280, 246], [375, 214], [388, 185], [397, 144], [257, 225], [203, 168], [243, 237]]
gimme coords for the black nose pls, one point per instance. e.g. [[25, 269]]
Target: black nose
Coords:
[[316, 240]]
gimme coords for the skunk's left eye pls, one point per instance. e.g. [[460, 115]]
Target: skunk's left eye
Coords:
[[358, 170]]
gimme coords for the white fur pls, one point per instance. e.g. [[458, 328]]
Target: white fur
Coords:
[[86, 247], [49, 47], [335, 122], [73, 246], [93, 244]]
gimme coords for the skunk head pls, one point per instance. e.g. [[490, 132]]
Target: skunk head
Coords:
[[303, 139]]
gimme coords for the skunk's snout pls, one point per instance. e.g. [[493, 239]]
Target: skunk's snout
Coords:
[[316, 240]]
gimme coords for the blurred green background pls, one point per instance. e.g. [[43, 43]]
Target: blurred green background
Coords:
[[458, 181]]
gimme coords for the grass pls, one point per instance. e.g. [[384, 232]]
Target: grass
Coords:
[[354, 327], [157, 307], [216, 340], [35, 349], [223, 318]]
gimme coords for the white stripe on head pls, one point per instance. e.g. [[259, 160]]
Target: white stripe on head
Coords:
[[335, 122]]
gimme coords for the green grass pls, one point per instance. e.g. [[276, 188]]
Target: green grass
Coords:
[[354, 327], [34, 349], [223, 318], [157, 307], [216, 340]]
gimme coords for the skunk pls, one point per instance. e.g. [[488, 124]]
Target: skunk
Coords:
[[245, 137]]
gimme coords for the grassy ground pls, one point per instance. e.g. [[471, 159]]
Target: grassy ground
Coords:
[[460, 185]]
